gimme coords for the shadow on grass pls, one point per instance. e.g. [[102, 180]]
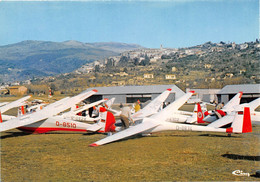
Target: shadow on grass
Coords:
[[91, 133], [224, 136], [174, 135], [58, 133], [241, 157], [129, 138], [255, 176], [20, 134], [14, 134]]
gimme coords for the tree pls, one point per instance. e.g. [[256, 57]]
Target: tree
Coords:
[[146, 61], [97, 68], [136, 61], [53, 87], [123, 61], [110, 63]]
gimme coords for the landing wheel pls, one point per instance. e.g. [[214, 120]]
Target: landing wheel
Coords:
[[229, 135]]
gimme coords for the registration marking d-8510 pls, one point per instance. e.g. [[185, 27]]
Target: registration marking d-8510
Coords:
[[66, 124]]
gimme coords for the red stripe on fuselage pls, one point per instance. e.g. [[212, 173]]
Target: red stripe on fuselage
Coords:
[[45, 130]]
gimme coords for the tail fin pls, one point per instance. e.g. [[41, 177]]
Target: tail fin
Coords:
[[199, 114], [242, 122], [110, 102], [1, 120], [110, 122], [21, 111], [107, 121]]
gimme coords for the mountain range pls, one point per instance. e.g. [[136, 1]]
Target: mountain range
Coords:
[[28, 59]]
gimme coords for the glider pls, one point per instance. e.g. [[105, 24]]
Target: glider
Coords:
[[234, 105], [226, 120], [241, 123], [11, 105], [45, 120]]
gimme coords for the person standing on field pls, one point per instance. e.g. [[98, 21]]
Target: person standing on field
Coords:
[[125, 116]]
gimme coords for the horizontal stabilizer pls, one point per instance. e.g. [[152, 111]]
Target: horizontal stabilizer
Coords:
[[94, 127], [222, 121]]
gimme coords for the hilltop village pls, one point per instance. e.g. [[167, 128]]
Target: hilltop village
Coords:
[[210, 65]]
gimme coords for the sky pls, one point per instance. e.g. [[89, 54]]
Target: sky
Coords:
[[149, 23]]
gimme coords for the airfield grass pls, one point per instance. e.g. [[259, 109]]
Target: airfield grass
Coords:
[[166, 156]]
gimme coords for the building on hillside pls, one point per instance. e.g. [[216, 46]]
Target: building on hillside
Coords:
[[118, 83], [174, 69], [242, 71], [228, 75], [148, 75], [170, 77], [207, 66], [130, 94], [121, 74], [205, 95], [250, 92], [17, 90]]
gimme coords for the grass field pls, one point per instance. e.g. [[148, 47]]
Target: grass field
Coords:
[[167, 156]]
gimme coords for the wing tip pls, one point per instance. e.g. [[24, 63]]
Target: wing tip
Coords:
[[240, 94], [169, 89], [192, 91], [95, 90], [93, 145]]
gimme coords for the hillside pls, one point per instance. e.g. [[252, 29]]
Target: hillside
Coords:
[[210, 65], [29, 59]]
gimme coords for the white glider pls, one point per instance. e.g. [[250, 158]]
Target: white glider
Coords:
[[29, 120], [234, 105], [11, 105], [227, 119], [241, 123]]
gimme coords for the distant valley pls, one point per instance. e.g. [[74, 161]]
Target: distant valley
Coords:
[[30, 59]]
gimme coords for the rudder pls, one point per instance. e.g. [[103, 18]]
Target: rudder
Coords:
[[199, 114]]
